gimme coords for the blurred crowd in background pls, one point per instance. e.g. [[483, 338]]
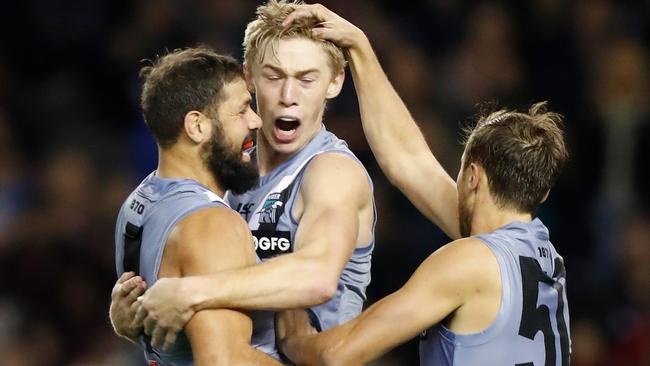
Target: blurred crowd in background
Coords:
[[73, 145]]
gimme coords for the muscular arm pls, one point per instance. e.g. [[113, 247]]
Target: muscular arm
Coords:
[[334, 191], [208, 241], [393, 135], [438, 288], [398, 143]]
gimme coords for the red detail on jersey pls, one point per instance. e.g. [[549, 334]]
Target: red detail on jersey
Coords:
[[152, 363]]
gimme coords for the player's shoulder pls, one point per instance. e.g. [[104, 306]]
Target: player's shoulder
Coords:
[[466, 245], [460, 268], [468, 257], [209, 221], [335, 172], [334, 165], [210, 239], [334, 158]]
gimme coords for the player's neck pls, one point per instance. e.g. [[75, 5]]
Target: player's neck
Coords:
[[175, 163], [268, 158], [487, 218]]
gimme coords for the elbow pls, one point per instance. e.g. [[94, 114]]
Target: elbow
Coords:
[[328, 290], [322, 288]]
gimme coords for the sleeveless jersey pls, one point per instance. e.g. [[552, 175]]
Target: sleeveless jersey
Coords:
[[532, 325], [268, 210], [143, 226]]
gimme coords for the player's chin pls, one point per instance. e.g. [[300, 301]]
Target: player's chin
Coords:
[[287, 148]]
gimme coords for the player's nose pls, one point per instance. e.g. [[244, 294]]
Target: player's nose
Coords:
[[254, 121], [288, 94]]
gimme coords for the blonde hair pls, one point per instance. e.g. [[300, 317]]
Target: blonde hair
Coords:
[[267, 27]]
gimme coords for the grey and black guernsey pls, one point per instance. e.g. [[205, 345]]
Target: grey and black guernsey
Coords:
[[532, 325], [143, 225], [268, 210]]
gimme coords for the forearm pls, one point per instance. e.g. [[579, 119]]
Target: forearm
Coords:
[[362, 339], [366, 338], [397, 142], [280, 283], [390, 129], [316, 349], [334, 347]]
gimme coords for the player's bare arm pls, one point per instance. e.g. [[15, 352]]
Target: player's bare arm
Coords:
[[336, 214], [207, 241], [450, 283], [396, 140], [333, 196]]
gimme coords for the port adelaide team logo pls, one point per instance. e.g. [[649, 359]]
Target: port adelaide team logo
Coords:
[[272, 209], [270, 242]]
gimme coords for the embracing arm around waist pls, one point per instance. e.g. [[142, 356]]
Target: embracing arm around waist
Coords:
[[441, 285]]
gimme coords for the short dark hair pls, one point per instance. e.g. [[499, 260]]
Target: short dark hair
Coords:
[[182, 81], [522, 154]]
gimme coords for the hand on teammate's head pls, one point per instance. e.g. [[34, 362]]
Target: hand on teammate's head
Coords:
[[331, 27]]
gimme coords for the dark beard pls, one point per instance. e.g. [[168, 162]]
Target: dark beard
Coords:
[[226, 166], [465, 220]]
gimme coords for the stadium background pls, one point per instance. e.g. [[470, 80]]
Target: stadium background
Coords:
[[73, 144]]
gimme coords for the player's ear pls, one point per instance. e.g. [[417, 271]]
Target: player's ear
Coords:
[[335, 86], [248, 77], [196, 126], [545, 197], [474, 172]]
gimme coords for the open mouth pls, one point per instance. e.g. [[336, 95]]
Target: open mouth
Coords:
[[285, 127], [248, 144]]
